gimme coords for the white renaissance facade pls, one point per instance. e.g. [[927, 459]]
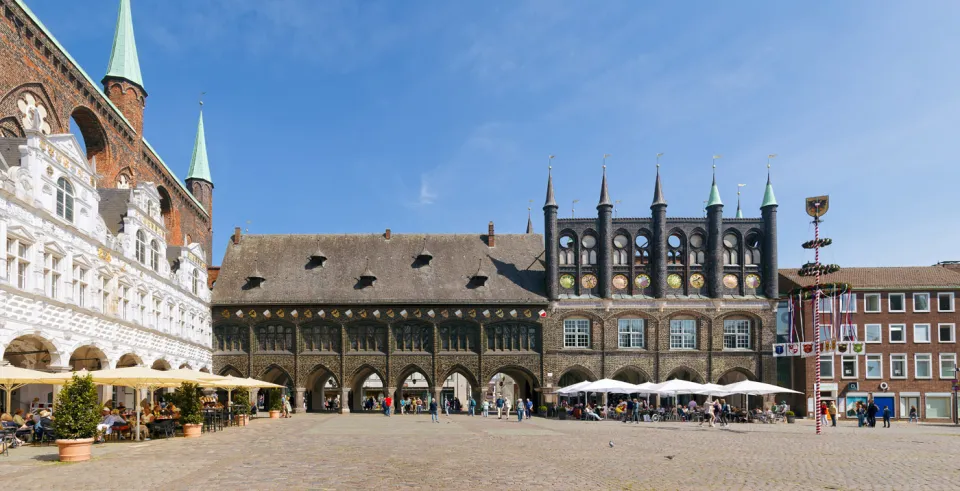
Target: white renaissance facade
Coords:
[[87, 280]]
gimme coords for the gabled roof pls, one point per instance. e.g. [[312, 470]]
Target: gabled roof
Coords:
[[113, 207], [514, 265], [879, 278]]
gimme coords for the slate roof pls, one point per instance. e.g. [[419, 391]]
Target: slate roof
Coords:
[[10, 150], [886, 278], [515, 268], [113, 207]]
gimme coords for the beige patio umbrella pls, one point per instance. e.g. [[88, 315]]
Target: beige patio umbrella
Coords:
[[12, 378]]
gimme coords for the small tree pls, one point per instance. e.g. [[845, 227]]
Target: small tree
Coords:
[[275, 404], [187, 398], [77, 409], [241, 401]]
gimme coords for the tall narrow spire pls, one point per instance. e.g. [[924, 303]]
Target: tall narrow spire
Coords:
[[199, 166], [550, 200], [124, 62], [739, 212], [658, 198], [529, 222], [768, 197], [604, 195], [714, 198]]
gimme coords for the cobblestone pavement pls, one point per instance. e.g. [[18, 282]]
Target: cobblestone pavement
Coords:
[[363, 451]]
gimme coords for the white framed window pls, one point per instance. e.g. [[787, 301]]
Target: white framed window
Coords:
[[848, 332], [826, 366], [826, 331], [948, 365], [736, 334], [141, 247], [81, 285], [945, 301], [124, 304], [898, 365], [946, 333], [51, 275], [896, 302], [157, 307], [826, 305], [155, 255], [105, 297], [922, 365], [18, 262], [196, 281], [873, 333], [871, 303], [630, 333], [142, 306], [874, 365], [937, 406], [182, 321], [848, 367], [921, 302], [576, 333], [897, 333], [848, 303], [64, 199], [921, 333], [683, 334]]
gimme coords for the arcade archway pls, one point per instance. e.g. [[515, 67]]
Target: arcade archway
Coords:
[[367, 388], [323, 390], [36, 353]]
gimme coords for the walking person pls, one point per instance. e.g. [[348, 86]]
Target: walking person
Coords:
[[519, 410], [872, 410], [636, 411], [861, 415], [473, 406], [708, 408], [446, 407], [629, 413], [529, 408], [486, 408], [434, 417], [506, 407], [913, 415], [886, 416], [823, 413], [499, 407], [387, 405], [832, 411]]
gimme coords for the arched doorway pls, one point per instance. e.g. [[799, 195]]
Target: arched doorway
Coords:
[[573, 375], [631, 375], [367, 388], [126, 395], [91, 358], [459, 386], [690, 375], [129, 360], [413, 383], [161, 364], [36, 353], [512, 382], [737, 375], [323, 390], [275, 375]]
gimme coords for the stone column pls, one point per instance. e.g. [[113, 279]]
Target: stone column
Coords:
[[344, 401], [298, 399]]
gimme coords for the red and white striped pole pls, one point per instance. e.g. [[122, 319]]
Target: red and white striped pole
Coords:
[[816, 319]]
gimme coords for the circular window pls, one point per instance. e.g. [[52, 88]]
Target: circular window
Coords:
[[752, 281], [642, 281], [674, 281], [621, 241], [620, 282], [674, 241], [696, 280], [589, 241], [642, 241], [567, 281], [730, 241], [588, 281], [566, 242], [730, 281], [696, 240], [753, 240]]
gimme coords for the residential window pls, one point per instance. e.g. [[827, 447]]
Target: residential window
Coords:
[[848, 332], [938, 407], [631, 332], [826, 366], [196, 281], [826, 305], [182, 320], [155, 255], [848, 303], [64, 199], [948, 365], [124, 291], [947, 333], [897, 302], [736, 334], [683, 334], [872, 333], [105, 295], [141, 247], [826, 331], [921, 302], [874, 366], [80, 285], [156, 312], [921, 333], [51, 275], [871, 303], [898, 366], [945, 302], [848, 366], [921, 366], [576, 333], [18, 262], [142, 303], [897, 333]]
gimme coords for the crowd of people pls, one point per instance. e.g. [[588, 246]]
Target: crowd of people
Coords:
[[712, 412]]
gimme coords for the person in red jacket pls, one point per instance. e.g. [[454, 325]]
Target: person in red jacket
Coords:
[[387, 405]]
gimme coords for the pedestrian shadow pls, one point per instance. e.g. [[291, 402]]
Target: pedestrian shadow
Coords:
[[47, 457]]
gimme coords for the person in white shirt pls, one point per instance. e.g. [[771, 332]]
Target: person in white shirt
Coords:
[[106, 423]]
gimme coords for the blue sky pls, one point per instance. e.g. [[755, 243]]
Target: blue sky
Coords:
[[432, 116]]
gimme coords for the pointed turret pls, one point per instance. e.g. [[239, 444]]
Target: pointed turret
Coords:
[[604, 194], [739, 212], [658, 243], [198, 178], [768, 197], [550, 238], [529, 222], [550, 200], [123, 82], [714, 198], [768, 251], [658, 198], [714, 260]]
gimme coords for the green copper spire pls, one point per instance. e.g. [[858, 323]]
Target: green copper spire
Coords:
[[768, 198], [124, 62], [714, 198], [199, 166]]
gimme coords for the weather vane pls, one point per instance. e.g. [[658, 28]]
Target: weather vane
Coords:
[[201, 98], [615, 203], [658, 159], [573, 208]]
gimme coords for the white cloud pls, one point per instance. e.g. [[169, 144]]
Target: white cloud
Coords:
[[427, 194]]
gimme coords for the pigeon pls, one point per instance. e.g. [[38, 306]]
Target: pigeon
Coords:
[[611, 443], [668, 457]]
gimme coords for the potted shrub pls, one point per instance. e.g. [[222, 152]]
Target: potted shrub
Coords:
[[241, 406], [542, 411], [275, 403], [187, 398], [77, 414], [791, 417]]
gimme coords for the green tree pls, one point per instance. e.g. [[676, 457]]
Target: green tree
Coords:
[[187, 399], [77, 409]]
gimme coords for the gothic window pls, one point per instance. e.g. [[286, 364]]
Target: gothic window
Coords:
[[512, 336], [731, 245], [141, 247], [675, 249], [64, 199], [230, 339], [697, 243], [457, 337], [567, 254], [275, 338], [751, 253], [620, 247], [123, 181], [323, 337], [642, 254], [155, 255], [366, 337], [413, 336], [588, 253]]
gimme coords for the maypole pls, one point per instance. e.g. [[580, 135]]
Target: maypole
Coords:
[[816, 208]]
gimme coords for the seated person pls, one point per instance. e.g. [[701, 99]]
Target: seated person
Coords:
[[18, 417], [44, 424], [591, 415], [105, 427]]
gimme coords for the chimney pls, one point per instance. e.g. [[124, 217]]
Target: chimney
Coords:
[[386, 234], [491, 237], [236, 235]]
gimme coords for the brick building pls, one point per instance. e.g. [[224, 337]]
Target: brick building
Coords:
[[906, 317]]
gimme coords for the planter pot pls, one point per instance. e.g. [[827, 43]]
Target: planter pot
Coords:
[[241, 420], [192, 431], [275, 414], [791, 419], [563, 415], [75, 450]]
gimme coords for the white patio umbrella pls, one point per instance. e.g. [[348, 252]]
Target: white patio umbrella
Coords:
[[714, 390], [573, 389], [609, 386], [752, 388], [645, 388], [12, 378], [675, 387]]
